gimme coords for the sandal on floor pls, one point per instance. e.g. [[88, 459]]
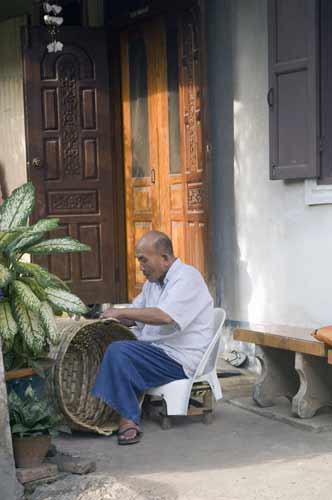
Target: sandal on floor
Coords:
[[235, 358], [122, 432]]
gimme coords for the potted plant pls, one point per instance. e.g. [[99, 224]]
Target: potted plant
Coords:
[[33, 424], [30, 295]]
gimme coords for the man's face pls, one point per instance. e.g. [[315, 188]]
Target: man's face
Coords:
[[153, 265]]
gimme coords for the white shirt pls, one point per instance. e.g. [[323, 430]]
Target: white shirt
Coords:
[[185, 297]]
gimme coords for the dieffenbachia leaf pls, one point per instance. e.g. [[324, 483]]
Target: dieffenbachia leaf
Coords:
[[8, 326], [58, 245], [6, 237], [66, 301], [32, 235], [30, 327], [25, 295], [5, 276], [48, 322], [44, 225], [16, 209], [35, 287], [41, 275]]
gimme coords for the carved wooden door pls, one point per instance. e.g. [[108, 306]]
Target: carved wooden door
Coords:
[[69, 154], [165, 174]]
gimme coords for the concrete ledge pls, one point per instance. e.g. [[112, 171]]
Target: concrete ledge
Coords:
[[281, 411], [10, 488]]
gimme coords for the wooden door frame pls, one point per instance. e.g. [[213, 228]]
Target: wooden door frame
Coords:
[[158, 7], [118, 174], [207, 148], [153, 8]]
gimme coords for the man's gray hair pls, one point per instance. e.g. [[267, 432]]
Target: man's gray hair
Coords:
[[163, 244]]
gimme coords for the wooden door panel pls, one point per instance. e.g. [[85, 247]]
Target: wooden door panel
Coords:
[[91, 264], [88, 109], [68, 129], [52, 159], [90, 159], [197, 235], [178, 236], [50, 109], [176, 198], [142, 201]]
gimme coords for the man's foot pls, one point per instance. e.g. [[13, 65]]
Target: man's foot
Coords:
[[129, 433]]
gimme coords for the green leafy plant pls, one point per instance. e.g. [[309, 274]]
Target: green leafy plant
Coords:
[[31, 416], [30, 295]]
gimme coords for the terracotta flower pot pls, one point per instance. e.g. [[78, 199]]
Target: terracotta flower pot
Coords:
[[30, 451]]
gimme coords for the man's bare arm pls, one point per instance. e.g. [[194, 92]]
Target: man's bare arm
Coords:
[[148, 315]]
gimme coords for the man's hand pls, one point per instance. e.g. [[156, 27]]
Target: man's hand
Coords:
[[148, 315], [113, 313]]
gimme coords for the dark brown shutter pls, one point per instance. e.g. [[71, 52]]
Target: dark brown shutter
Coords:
[[325, 91], [292, 96]]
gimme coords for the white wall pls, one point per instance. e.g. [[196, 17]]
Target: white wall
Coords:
[[274, 253], [12, 137]]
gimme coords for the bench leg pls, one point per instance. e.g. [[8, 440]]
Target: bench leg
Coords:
[[278, 376], [315, 385]]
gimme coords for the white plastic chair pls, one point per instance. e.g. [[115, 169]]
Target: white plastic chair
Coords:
[[176, 395]]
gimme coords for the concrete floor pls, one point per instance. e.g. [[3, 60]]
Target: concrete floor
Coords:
[[239, 456]]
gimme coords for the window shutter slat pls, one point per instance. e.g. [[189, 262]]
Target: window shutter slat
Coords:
[[292, 97]]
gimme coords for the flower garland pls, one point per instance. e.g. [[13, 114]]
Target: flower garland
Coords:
[[53, 21]]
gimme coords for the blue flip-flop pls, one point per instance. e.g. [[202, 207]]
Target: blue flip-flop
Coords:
[[133, 440]]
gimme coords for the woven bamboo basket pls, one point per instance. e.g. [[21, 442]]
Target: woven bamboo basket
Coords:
[[77, 359]]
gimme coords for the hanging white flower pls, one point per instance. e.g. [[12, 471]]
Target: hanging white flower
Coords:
[[56, 9], [55, 46], [52, 20]]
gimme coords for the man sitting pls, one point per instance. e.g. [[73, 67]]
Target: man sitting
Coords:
[[172, 319]]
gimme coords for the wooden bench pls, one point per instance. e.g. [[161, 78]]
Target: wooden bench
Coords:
[[293, 364]]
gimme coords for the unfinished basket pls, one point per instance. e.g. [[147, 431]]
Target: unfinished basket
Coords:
[[77, 359]]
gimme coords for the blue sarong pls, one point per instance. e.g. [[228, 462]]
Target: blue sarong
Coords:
[[127, 370]]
